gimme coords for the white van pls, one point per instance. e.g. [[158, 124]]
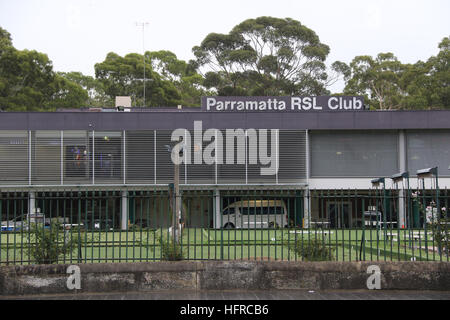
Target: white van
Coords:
[[253, 214]]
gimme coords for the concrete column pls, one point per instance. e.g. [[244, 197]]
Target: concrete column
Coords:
[[306, 196], [402, 166], [177, 211], [31, 203], [124, 215], [307, 208], [217, 213]]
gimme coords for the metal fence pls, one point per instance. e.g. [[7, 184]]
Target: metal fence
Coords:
[[289, 224]]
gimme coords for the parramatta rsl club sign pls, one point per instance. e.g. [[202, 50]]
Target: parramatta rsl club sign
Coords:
[[283, 104]]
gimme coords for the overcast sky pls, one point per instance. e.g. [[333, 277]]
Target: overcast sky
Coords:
[[76, 34]]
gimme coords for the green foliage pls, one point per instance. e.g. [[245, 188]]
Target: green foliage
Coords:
[[264, 56], [28, 82], [388, 84], [438, 223], [124, 76], [378, 79], [5, 40], [312, 250], [48, 245], [441, 235], [171, 250], [183, 75], [94, 88]]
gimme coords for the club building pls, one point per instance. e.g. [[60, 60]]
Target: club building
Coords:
[[323, 146]]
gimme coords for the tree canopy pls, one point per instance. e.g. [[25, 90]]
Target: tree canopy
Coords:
[[388, 84], [264, 56], [28, 82]]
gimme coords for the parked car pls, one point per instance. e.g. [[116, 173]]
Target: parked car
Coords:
[[255, 214]]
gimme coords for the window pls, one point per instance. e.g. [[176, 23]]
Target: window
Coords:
[[228, 211], [261, 210]]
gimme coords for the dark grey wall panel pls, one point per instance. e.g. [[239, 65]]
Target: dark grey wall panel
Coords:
[[354, 153], [428, 150], [154, 120]]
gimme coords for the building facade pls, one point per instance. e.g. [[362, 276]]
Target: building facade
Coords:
[[123, 157]]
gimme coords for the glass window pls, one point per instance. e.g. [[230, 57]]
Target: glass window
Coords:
[[261, 210], [229, 211], [76, 156]]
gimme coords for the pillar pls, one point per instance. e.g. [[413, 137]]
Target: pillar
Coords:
[[217, 210], [124, 212], [32, 203]]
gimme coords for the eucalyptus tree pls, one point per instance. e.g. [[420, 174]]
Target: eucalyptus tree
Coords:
[[124, 76], [182, 74], [378, 79], [389, 84], [93, 87], [28, 82], [264, 56]]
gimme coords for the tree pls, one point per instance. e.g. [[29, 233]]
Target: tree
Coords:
[[183, 75], [5, 40], [377, 79], [388, 84], [439, 71], [124, 76], [28, 82], [94, 88], [264, 56]]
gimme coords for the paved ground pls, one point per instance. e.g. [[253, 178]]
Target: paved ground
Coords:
[[249, 295]]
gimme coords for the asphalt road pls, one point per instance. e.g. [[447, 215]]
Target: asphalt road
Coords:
[[247, 295]]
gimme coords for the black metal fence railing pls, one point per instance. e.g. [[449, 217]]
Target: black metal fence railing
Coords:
[[253, 224]]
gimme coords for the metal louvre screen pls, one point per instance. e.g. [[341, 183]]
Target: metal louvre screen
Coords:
[[199, 173], [428, 150], [255, 147], [46, 157], [164, 164], [292, 159], [14, 157], [353, 153], [233, 168], [140, 157]]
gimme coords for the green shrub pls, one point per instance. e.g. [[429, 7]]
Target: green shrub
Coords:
[[441, 235], [48, 244], [312, 250], [170, 249]]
